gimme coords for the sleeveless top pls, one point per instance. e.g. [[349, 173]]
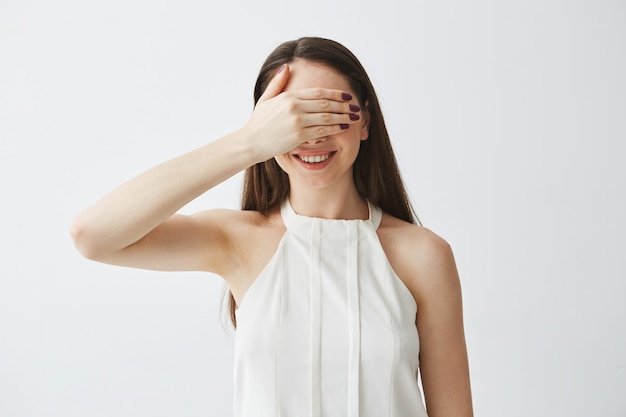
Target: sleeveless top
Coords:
[[327, 328]]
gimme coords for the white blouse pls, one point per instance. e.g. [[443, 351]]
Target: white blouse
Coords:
[[327, 328]]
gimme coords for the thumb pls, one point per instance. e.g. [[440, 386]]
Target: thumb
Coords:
[[277, 84]]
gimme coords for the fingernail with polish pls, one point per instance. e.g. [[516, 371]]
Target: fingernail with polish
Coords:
[[354, 107], [346, 96], [344, 126], [354, 117]]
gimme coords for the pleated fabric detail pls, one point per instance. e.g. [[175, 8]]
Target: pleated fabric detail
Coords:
[[327, 329]]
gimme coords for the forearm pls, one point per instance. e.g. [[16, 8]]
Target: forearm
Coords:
[[135, 208], [280, 122]]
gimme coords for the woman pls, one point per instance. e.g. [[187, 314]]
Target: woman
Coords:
[[337, 295]]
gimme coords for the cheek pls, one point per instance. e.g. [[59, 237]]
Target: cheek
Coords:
[[352, 137], [282, 161]]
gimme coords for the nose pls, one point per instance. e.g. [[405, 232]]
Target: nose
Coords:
[[316, 140]]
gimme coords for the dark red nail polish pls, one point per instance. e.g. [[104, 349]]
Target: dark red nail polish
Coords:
[[346, 96], [354, 117], [354, 107], [344, 126]]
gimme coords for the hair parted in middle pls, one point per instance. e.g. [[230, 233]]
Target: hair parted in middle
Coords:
[[375, 171]]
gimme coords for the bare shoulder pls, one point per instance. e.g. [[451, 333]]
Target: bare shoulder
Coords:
[[421, 258], [240, 221], [250, 240], [425, 263], [240, 228]]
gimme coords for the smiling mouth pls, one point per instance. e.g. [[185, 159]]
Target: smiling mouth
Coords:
[[314, 159]]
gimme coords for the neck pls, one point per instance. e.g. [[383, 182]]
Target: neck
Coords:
[[329, 204]]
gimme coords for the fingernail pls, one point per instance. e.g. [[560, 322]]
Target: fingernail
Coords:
[[346, 96], [354, 107], [282, 67], [354, 117], [344, 126]]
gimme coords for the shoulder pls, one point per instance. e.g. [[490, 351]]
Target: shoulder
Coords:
[[423, 260], [250, 240], [416, 245], [240, 229], [425, 263], [231, 234]]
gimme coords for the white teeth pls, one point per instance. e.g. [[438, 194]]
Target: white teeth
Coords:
[[314, 158]]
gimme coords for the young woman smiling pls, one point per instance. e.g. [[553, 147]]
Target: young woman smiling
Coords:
[[340, 298]]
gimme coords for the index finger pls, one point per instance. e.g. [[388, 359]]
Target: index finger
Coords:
[[317, 93]]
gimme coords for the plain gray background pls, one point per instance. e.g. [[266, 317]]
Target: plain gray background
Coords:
[[508, 119]]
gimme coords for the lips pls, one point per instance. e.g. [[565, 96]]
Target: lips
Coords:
[[312, 159]]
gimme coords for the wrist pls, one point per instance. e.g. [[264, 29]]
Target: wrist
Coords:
[[249, 147]]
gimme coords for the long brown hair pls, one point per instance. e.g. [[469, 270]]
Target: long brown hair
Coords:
[[375, 170]]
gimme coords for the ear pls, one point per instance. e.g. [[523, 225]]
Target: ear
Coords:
[[365, 128]]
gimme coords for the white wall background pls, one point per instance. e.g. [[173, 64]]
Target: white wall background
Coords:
[[509, 121]]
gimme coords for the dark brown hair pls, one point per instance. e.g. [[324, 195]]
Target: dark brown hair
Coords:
[[375, 170]]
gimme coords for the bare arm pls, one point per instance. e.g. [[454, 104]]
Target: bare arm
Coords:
[[135, 225], [426, 264], [443, 355], [115, 229]]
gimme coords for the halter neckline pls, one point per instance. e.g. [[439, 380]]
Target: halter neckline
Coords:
[[289, 215]]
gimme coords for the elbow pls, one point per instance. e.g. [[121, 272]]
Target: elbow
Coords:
[[85, 239]]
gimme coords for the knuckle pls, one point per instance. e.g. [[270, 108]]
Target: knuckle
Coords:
[[318, 92], [326, 118], [324, 104], [292, 106], [321, 130], [296, 120]]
